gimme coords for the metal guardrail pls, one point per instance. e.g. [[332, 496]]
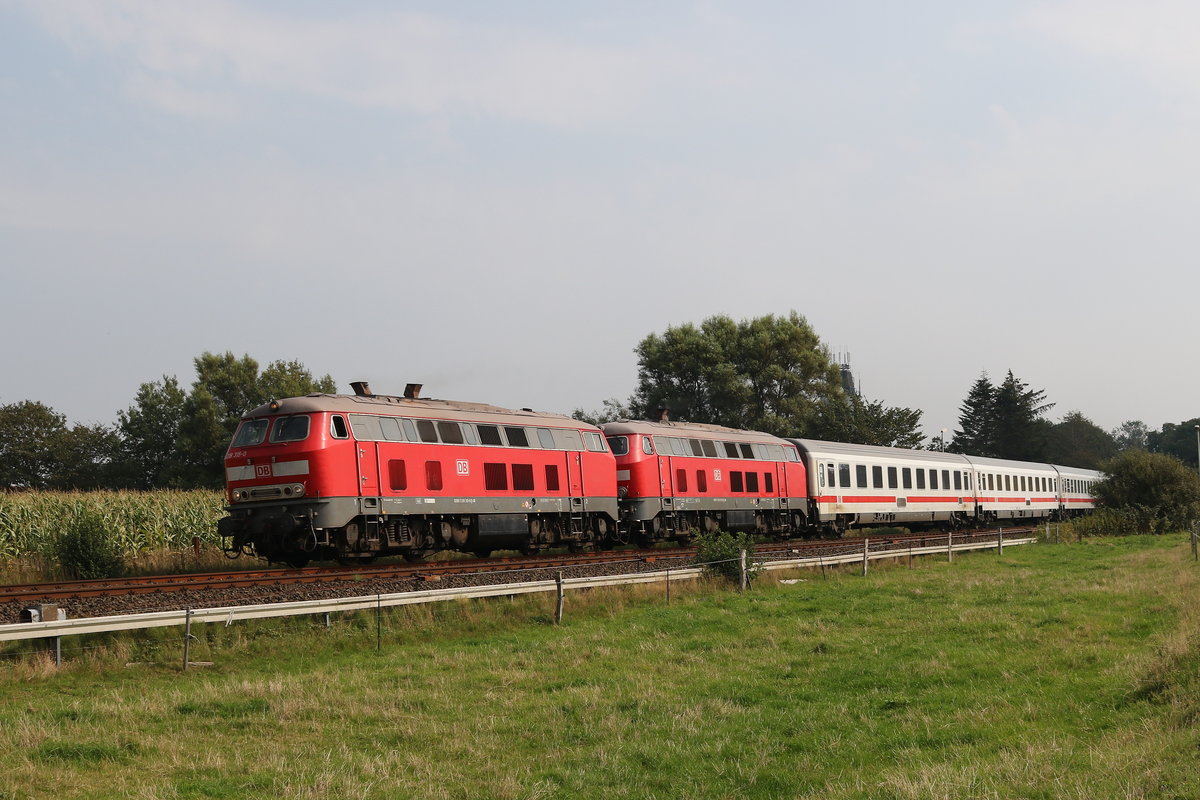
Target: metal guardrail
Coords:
[[230, 614]]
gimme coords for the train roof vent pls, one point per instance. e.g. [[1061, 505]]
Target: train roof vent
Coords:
[[413, 391], [361, 388]]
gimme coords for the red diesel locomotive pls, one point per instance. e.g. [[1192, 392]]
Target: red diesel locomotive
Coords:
[[676, 478], [354, 477]]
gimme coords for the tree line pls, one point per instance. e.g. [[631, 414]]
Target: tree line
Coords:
[[168, 438], [769, 373]]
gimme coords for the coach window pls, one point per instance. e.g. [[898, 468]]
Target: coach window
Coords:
[[1008, 483], [832, 480], [709, 447], [516, 437], [991, 482], [731, 450], [426, 430], [752, 482], [906, 474], [747, 450], [701, 480], [552, 477], [933, 479], [945, 479], [647, 447], [390, 426], [337, 427], [433, 475], [495, 477], [490, 435], [844, 475], [877, 477], [892, 484], [860, 474], [522, 477], [769, 485], [958, 485], [735, 481], [546, 438], [681, 480], [619, 445], [397, 477], [920, 477]]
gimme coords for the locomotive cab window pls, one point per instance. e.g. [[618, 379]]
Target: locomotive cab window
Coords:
[[252, 432], [619, 445], [290, 429], [338, 428], [648, 448]]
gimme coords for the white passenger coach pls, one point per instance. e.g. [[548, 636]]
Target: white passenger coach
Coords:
[[861, 485]]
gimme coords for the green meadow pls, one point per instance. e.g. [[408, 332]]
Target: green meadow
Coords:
[[1052, 671]]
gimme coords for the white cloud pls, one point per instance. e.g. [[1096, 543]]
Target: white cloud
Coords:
[[177, 52]]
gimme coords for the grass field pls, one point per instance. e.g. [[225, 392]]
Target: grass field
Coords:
[[1069, 671]]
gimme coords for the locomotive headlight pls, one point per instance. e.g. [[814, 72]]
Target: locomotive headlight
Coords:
[[622, 491], [297, 489]]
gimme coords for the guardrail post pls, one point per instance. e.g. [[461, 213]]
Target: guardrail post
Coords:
[[1194, 555], [187, 639], [950, 546], [866, 550], [668, 586], [378, 623], [558, 609], [1000, 542]]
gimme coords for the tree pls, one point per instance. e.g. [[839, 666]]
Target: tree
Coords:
[[612, 410], [1079, 442], [31, 444], [1019, 431], [769, 373], [853, 420], [1176, 440], [1131, 435], [1159, 492], [149, 431], [976, 421]]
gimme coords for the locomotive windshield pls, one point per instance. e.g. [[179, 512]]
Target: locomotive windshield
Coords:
[[290, 429], [619, 445], [252, 432]]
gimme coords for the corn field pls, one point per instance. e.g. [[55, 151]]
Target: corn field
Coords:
[[139, 521]]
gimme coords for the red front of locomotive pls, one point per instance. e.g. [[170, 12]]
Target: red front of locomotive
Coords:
[[289, 470]]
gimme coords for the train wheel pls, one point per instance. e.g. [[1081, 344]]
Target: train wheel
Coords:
[[297, 560]]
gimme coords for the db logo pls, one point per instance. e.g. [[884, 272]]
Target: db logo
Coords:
[[463, 468], [262, 470]]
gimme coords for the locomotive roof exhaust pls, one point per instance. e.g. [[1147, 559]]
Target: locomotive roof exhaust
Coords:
[[664, 415], [361, 388], [412, 391]]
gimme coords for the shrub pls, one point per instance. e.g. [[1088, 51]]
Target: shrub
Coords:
[[1157, 492], [720, 554], [85, 549]]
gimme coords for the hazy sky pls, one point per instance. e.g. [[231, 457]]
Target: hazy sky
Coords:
[[499, 200]]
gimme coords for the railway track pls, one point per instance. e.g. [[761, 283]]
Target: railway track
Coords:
[[433, 570]]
